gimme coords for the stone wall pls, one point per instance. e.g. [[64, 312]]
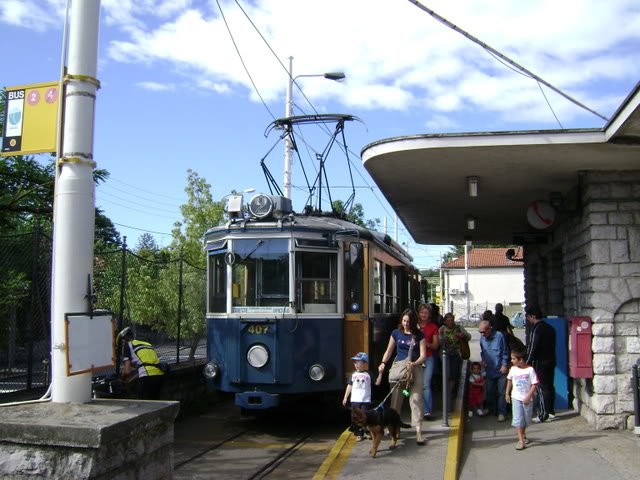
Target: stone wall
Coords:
[[591, 267], [105, 439]]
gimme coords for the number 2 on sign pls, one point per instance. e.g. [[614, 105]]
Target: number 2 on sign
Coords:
[[258, 329]]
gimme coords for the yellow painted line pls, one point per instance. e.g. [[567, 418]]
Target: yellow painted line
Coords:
[[317, 447], [339, 454], [456, 434]]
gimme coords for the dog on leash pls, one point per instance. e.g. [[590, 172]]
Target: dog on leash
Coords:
[[376, 421]]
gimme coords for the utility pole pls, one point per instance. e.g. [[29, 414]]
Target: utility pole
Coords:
[[74, 202], [288, 146]]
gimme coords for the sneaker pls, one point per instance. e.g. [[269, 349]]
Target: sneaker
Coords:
[[368, 436], [552, 417], [501, 418], [470, 414], [428, 417], [536, 420], [480, 412], [359, 438]]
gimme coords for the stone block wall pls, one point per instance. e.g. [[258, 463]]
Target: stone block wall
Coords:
[[105, 439], [595, 254]]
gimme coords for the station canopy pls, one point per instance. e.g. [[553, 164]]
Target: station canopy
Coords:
[[425, 178]]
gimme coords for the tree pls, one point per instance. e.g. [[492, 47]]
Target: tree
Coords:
[[199, 214], [355, 215]]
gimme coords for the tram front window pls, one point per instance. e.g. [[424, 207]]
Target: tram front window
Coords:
[[261, 273]]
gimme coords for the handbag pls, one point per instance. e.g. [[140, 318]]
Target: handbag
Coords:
[[398, 370]]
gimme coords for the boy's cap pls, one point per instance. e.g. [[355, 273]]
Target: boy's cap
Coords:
[[361, 356]]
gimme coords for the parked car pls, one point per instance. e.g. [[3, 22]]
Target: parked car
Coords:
[[517, 321], [474, 318]]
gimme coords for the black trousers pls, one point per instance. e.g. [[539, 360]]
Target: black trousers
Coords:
[[546, 390], [149, 387]]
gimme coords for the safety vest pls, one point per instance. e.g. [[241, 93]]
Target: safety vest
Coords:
[[143, 357]]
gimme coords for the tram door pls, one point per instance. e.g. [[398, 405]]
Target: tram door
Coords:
[[356, 298]]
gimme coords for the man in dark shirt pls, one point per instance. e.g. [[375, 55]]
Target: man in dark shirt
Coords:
[[501, 322], [541, 355]]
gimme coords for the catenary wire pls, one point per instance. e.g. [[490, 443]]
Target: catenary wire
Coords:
[[242, 60], [479, 42]]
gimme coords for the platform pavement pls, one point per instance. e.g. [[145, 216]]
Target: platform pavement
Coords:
[[564, 449]]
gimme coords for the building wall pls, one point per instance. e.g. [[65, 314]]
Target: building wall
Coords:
[[591, 267], [487, 286]]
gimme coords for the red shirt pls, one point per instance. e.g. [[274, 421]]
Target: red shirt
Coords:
[[430, 329]]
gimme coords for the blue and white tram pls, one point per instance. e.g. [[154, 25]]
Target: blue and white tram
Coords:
[[291, 298]]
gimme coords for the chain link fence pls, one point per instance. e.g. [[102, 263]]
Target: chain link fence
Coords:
[[162, 299], [25, 292]]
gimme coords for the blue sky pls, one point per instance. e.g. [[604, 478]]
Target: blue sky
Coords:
[[175, 95]]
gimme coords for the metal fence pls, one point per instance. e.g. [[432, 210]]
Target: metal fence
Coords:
[[162, 299]]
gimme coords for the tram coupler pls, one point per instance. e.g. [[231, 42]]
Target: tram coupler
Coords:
[[257, 400]]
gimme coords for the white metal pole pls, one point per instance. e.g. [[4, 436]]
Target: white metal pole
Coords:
[[385, 225], [288, 147], [74, 202], [466, 279], [395, 226]]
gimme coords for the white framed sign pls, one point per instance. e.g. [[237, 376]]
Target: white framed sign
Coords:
[[90, 342]]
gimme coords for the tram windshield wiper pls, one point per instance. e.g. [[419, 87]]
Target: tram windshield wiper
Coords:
[[258, 243]]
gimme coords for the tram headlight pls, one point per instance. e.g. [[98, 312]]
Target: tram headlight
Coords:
[[258, 356], [211, 370], [317, 372]]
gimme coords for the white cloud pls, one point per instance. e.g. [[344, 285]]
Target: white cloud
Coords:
[[396, 56], [156, 87], [31, 14], [441, 123]]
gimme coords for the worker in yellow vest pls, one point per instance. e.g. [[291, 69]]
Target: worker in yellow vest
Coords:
[[140, 360]]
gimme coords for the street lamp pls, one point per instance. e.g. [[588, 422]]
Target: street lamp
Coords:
[[288, 146]]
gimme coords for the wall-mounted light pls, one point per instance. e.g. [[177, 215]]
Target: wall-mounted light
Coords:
[[471, 223], [472, 183]]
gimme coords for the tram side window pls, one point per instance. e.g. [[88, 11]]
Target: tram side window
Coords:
[[378, 295], [316, 286], [261, 273], [217, 283]]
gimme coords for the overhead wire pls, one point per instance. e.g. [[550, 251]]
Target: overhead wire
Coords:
[[242, 60], [488, 48]]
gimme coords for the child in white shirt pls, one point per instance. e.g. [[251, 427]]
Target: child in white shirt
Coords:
[[359, 389], [521, 385]]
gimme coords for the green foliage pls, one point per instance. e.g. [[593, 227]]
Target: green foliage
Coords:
[[199, 214], [355, 215]]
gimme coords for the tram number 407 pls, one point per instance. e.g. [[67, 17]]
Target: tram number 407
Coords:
[[258, 329]]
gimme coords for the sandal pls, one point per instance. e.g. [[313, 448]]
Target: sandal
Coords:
[[526, 441], [420, 441], [519, 446]]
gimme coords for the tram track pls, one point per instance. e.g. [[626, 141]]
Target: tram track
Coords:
[[268, 457]]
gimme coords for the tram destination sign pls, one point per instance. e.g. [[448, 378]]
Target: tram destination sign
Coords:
[[30, 119]]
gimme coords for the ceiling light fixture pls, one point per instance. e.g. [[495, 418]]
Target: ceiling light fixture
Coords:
[[472, 183], [471, 223]]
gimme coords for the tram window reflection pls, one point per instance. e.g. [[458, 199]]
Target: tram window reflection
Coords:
[[316, 286], [261, 273]]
